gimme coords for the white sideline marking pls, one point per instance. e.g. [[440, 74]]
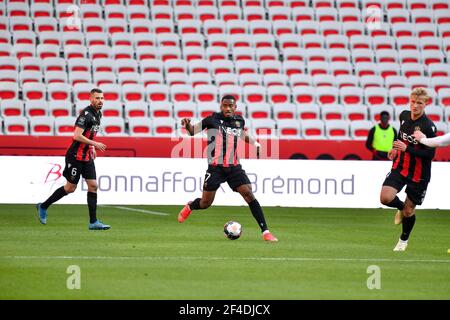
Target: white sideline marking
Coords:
[[223, 258], [138, 210]]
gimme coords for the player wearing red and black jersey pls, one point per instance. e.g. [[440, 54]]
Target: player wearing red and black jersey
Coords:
[[411, 165], [80, 161], [224, 130]]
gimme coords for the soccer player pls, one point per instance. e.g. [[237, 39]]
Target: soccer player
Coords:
[[435, 142], [80, 161], [224, 128], [411, 165]]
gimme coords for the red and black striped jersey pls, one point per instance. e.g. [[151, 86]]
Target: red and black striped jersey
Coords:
[[89, 121], [415, 162], [223, 136]]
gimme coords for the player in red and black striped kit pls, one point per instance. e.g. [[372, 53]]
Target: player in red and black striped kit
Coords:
[[224, 130], [80, 161], [411, 165]]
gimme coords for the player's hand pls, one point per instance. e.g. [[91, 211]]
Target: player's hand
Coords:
[[100, 146], [399, 145], [418, 135], [185, 122], [392, 154]]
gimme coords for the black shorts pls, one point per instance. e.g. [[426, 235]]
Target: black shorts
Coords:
[[235, 176], [414, 190], [75, 168]]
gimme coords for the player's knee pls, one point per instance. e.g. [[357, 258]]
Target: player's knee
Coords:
[[92, 188], [385, 198], [408, 211], [70, 188]]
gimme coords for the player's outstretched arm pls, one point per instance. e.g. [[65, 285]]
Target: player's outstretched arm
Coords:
[[435, 142], [248, 139], [78, 136], [191, 129]]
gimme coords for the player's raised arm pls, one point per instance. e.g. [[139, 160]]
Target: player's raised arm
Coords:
[[191, 129]]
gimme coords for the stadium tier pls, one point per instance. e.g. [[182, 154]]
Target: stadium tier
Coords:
[[299, 69]]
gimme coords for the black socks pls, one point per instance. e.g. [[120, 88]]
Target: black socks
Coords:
[[195, 205], [407, 226], [258, 214], [396, 203], [92, 205], [58, 194]]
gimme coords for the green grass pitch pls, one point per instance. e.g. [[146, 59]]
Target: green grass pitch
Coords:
[[322, 254]]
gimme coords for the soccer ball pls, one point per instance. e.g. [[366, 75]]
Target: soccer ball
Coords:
[[232, 230]]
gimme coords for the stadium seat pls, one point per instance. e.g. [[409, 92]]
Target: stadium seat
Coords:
[[136, 109], [327, 95], [412, 69], [439, 70], [337, 129], [300, 80], [113, 127], [396, 81], [356, 112], [133, 92], [444, 98], [303, 13], [408, 43], [288, 128], [303, 94], [79, 64], [345, 80], [181, 93], [168, 52], [55, 77], [24, 37], [318, 67], [161, 109], [313, 129], [128, 78], [76, 77], [34, 91], [435, 113], [250, 79], [388, 69], [447, 115], [23, 50], [64, 126], [112, 109], [9, 75], [112, 92], [263, 128], [206, 93], [375, 96], [332, 112], [59, 91], [259, 110], [307, 111], [163, 127], [351, 96], [75, 51], [173, 78], [151, 66], [366, 69], [323, 80], [143, 25], [243, 53], [432, 56], [222, 66], [196, 79], [438, 83], [157, 93], [11, 108], [226, 79], [359, 129], [20, 23], [16, 125], [140, 126], [59, 108], [41, 126], [81, 91], [96, 38], [399, 96], [259, 27], [409, 56], [279, 94], [371, 81], [284, 111]]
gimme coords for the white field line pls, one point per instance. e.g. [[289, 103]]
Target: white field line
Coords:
[[137, 210], [275, 259]]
